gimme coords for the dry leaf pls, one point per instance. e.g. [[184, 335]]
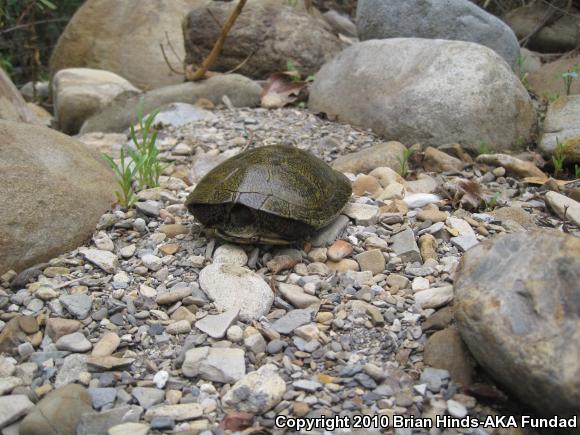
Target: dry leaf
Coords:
[[281, 90], [472, 197]]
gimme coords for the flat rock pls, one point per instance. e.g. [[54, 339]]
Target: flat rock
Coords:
[[8, 383], [292, 320], [253, 296], [148, 397], [107, 344], [257, 392], [79, 305], [106, 260], [514, 299], [372, 260], [101, 397], [129, 428], [61, 408], [405, 246], [105, 363], [225, 365], [13, 408], [175, 294], [564, 206], [445, 350], [71, 369], [514, 166], [232, 254], [179, 114], [216, 326], [99, 423], [362, 214], [181, 412]]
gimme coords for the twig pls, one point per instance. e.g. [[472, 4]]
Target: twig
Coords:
[[211, 14], [548, 16], [22, 26], [243, 62], [173, 48], [173, 70], [211, 58]]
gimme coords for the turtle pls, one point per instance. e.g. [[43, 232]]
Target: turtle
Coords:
[[275, 194]]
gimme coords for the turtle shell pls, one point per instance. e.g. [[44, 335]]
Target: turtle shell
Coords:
[[282, 190]]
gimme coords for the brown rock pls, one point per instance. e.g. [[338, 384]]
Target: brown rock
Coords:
[[57, 327], [11, 336], [91, 39], [107, 344], [432, 214], [428, 247], [173, 230], [169, 248], [58, 413], [364, 161], [59, 207], [339, 250], [395, 206], [445, 350], [12, 105], [438, 161], [274, 34], [547, 81], [516, 308], [28, 324], [440, 319], [514, 166], [344, 265], [365, 184], [387, 175]]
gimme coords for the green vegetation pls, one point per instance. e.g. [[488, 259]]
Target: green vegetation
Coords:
[[29, 30], [523, 75], [482, 148], [491, 204], [145, 155], [143, 168], [551, 96], [404, 161], [558, 158], [576, 171], [125, 172], [569, 76]]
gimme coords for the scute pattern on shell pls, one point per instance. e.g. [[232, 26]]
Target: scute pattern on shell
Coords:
[[281, 181]]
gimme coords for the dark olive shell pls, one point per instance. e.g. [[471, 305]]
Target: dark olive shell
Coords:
[[288, 190]]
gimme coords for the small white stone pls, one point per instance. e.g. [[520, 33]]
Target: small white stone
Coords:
[[161, 378], [456, 409], [152, 262], [231, 254]]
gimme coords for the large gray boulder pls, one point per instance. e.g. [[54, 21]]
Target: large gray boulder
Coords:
[[124, 37], [436, 19], [426, 90], [517, 304], [79, 93], [265, 37], [53, 190], [122, 112]]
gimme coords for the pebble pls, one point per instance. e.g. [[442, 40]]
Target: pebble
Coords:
[[148, 397], [149, 208], [456, 409], [107, 344], [13, 408], [434, 297], [161, 378], [372, 260], [101, 397], [179, 327], [296, 295], [230, 254], [8, 383], [176, 294], [129, 428], [340, 249], [152, 262], [181, 412], [75, 342]]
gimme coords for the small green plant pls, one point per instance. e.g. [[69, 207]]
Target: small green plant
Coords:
[[491, 204], [576, 171], [523, 75], [404, 161], [482, 148], [145, 156], [551, 96], [558, 157], [569, 76], [125, 171]]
